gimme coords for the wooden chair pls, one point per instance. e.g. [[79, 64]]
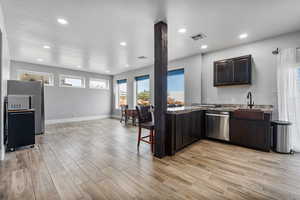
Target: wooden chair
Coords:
[[123, 113], [145, 122]]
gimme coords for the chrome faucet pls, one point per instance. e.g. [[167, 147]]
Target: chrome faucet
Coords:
[[250, 102]]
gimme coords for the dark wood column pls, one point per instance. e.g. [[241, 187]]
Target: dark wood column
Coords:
[[160, 85]]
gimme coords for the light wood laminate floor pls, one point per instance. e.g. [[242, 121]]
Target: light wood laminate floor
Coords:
[[99, 160]]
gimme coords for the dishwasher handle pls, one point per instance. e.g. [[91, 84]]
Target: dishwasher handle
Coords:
[[217, 115]]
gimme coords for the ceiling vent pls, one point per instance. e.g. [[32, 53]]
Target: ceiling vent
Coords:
[[199, 36], [142, 57]]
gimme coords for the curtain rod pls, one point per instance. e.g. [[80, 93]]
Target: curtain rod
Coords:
[[276, 51]]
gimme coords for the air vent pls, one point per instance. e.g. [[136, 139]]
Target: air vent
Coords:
[[142, 57], [200, 36]]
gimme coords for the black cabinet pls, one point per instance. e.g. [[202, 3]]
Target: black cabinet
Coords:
[[251, 133], [242, 70], [20, 129], [234, 71], [181, 132], [187, 130], [183, 129], [223, 72]]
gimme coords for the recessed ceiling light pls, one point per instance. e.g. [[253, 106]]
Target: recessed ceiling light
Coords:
[[243, 36], [62, 21], [46, 47], [78, 66], [204, 46], [182, 30], [127, 65], [123, 44], [40, 59], [107, 71]]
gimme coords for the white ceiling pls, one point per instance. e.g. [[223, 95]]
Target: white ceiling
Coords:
[[96, 28]]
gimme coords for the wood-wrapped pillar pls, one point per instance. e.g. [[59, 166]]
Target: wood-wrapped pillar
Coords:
[[160, 85]]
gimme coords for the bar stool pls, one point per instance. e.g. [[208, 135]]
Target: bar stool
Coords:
[[145, 122], [123, 113]]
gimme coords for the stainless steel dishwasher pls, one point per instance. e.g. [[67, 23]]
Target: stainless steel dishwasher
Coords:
[[217, 125]]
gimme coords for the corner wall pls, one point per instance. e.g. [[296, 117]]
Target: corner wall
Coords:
[[264, 77], [4, 76], [63, 104]]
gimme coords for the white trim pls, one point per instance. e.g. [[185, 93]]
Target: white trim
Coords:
[[76, 119], [184, 81], [99, 79], [51, 75], [2, 151], [117, 107], [135, 87], [116, 117], [134, 92], [61, 76]]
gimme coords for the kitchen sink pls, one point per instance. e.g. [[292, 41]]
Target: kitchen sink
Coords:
[[254, 114]]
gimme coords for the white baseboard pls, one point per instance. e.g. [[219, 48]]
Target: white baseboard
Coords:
[[115, 117], [76, 119], [2, 152]]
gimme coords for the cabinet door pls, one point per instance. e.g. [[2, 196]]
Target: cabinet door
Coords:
[[170, 134], [250, 133], [223, 72], [258, 135], [196, 125], [21, 130], [236, 131], [179, 131], [187, 129], [242, 70]]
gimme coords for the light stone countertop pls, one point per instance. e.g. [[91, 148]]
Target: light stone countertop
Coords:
[[222, 108]]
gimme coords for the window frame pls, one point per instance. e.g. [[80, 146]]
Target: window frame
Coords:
[[99, 79], [117, 102], [51, 75], [136, 87], [61, 76], [184, 80]]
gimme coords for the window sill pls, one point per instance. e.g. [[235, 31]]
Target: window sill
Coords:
[[64, 86], [99, 88]]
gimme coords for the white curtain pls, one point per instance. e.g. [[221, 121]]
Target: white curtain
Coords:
[[288, 92]]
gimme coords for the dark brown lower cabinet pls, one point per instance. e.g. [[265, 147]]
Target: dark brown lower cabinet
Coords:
[[20, 128], [183, 129], [254, 134]]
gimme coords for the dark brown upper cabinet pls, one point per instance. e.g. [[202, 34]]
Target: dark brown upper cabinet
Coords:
[[233, 71]]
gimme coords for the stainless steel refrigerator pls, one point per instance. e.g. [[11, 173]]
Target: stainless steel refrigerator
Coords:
[[36, 90]]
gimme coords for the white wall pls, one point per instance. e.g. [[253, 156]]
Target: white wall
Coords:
[[4, 75], [70, 104], [192, 71], [264, 85], [199, 74]]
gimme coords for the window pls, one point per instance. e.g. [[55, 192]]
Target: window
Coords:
[[121, 93], [99, 83], [47, 78], [176, 87], [71, 81], [143, 90]]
